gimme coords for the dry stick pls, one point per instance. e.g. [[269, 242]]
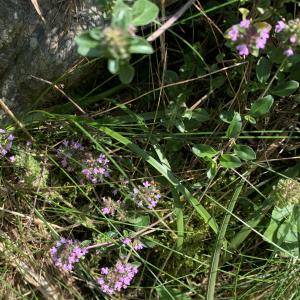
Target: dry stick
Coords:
[[38, 10], [61, 91], [11, 114], [170, 22]]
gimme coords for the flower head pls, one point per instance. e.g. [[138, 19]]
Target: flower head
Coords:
[[117, 278], [242, 49], [66, 253], [245, 23], [280, 25], [289, 52], [233, 33]]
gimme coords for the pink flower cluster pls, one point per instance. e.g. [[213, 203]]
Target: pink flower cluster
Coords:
[[6, 142], [118, 278], [289, 35], [75, 158], [66, 253], [249, 37], [146, 195], [136, 244]]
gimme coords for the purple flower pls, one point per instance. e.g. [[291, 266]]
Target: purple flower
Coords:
[[242, 49], [105, 211], [115, 279], [289, 52], [104, 271], [2, 131], [11, 137], [127, 241], [66, 253], [293, 39], [12, 158], [233, 33], [138, 246], [146, 184], [245, 23], [280, 25]]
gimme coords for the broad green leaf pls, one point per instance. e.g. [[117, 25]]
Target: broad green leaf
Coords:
[[227, 116], [230, 161], [286, 88], [212, 169], [96, 33], [199, 114], [85, 40], [90, 52], [126, 73], [235, 126], [202, 150], [250, 119], [144, 12], [263, 69], [113, 66], [244, 152], [122, 15], [139, 221], [139, 45], [261, 106]]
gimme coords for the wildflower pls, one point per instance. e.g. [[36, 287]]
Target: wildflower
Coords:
[[245, 23], [280, 25], [117, 278], [66, 253], [148, 194], [105, 211], [289, 52], [233, 33], [293, 39], [12, 158], [242, 49], [138, 246], [127, 241]]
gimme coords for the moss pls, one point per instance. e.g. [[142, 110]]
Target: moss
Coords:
[[286, 192], [33, 173]]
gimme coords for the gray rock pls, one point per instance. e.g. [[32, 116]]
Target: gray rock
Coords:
[[29, 47]]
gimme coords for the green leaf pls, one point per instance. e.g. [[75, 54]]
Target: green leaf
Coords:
[[199, 114], [261, 106], [90, 52], [235, 126], [212, 169], [144, 12], [230, 161], [126, 73], [286, 88], [139, 45], [227, 116], [263, 70], [85, 40], [202, 150], [168, 293], [244, 152], [122, 15], [250, 119], [140, 221], [113, 66]]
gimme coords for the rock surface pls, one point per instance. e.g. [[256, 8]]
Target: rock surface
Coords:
[[28, 46]]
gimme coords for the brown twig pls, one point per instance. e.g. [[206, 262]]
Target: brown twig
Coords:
[[170, 21]]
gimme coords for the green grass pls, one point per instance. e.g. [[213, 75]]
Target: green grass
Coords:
[[206, 237]]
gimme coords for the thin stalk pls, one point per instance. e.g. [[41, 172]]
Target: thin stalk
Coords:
[[219, 244]]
